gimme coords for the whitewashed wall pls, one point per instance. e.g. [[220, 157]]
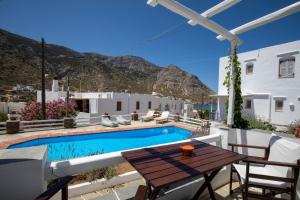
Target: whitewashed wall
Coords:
[[265, 82], [8, 107], [129, 104], [101, 102]]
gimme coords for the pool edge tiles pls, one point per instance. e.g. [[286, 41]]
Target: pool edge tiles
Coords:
[[75, 146], [23, 138]]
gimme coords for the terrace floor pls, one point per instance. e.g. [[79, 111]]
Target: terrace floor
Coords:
[[127, 191]]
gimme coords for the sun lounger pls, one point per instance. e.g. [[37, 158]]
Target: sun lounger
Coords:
[[163, 118], [121, 120], [107, 122], [149, 116]]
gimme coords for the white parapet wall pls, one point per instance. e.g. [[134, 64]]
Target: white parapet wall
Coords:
[[22, 172], [85, 164], [78, 165]]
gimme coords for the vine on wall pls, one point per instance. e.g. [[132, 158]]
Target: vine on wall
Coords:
[[238, 120]]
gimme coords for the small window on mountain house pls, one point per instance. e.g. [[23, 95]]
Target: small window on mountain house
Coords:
[[149, 105], [137, 105], [119, 105], [249, 68], [287, 67]]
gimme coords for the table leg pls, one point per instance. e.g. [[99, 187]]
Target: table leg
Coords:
[[207, 184], [210, 190], [149, 189]]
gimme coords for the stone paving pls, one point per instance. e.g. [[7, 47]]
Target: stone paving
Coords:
[[128, 190]]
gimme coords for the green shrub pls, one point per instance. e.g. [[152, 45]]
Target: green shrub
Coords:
[[256, 123], [293, 126], [3, 117], [203, 114]]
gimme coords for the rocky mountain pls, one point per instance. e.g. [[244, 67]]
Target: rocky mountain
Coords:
[[20, 64]]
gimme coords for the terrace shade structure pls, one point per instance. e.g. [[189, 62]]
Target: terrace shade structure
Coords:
[[202, 19]]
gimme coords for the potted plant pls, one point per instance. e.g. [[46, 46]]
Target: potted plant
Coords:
[[177, 117], [134, 116], [294, 128], [297, 132]]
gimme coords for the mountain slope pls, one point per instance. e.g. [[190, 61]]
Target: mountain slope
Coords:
[[20, 64]]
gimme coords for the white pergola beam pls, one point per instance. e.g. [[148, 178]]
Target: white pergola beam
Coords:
[[216, 9], [286, 11], [224, 5], [195, 17]]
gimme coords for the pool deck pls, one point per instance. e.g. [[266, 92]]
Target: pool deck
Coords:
[[127, 191], [10, 139]]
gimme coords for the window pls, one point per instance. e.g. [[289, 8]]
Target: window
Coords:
[[248, 104], [137, 105], [119, 105], [159, 107], [149, 105], [287, 67], [249, 68], [167, 107], [278, 105]]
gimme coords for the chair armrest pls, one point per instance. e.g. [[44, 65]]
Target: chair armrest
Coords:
[[248, 146], [266, 162], [60, 184]]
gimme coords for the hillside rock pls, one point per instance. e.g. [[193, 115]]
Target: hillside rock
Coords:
[[20, 64]]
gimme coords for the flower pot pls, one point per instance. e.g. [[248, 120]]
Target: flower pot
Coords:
[[134, 117], [69, 122], [176, 118], [12, 126], [297, 132], [187, 150]]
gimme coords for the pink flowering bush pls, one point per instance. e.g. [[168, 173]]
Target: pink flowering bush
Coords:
[[54, 110], [32, 111]]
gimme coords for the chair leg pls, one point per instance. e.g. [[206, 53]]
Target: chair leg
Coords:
[[230, 183], [264, 191], [247, 180]]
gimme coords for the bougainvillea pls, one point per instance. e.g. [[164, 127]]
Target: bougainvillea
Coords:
[[54, 110]]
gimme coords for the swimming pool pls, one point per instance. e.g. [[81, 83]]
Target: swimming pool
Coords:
[[66, 147]]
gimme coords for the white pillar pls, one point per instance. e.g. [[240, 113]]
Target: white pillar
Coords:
[[231, 88]]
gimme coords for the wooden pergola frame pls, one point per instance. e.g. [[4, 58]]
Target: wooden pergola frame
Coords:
[[202, 19]]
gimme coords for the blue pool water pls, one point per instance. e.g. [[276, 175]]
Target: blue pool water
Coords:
[[65, 147]]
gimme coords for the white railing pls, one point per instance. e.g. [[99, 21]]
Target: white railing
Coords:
[[40, 124], [79, 165], [193, 121]]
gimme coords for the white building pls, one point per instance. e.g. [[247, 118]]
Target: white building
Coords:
[[270, 83], [116, 103]]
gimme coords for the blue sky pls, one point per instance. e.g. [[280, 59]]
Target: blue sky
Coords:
[[123, 27]]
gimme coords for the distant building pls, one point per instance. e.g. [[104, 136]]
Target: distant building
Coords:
[[270, 83], [116, 103]]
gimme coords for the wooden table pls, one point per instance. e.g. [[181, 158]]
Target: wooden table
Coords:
[[165, 165]]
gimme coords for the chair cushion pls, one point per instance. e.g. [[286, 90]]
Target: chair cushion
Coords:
[[241, 169], [283, 150]]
